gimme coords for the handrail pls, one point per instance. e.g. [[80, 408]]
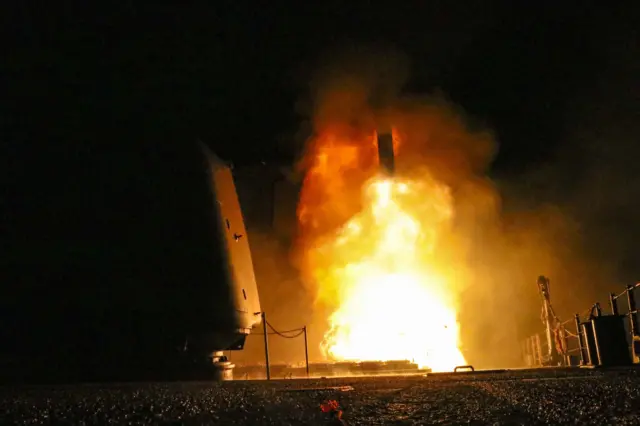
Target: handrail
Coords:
[[629, 288], [615, 297], [534, 347]]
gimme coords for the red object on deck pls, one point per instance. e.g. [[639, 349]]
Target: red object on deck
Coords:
[[333, 407], [330, 406]]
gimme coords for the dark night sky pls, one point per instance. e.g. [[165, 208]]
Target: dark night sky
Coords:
[[104, 102]]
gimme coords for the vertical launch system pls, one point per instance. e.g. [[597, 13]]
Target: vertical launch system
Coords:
[[234, 305]]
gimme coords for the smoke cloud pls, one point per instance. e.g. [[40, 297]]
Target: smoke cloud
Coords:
[[501, 240]]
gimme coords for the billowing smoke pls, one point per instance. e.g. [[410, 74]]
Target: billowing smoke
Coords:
[[497, 250]]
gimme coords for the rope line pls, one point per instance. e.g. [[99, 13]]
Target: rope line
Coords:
[[285, 331], [282, 333], [270, 333]]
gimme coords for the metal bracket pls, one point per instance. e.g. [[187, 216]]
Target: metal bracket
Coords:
[[464, 367]]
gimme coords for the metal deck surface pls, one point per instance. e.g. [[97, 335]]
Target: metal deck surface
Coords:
[[529, 397]]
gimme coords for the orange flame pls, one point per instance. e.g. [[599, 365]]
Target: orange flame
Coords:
[[370, 245]]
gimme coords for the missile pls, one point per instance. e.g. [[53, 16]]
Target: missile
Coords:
[[385, 150]]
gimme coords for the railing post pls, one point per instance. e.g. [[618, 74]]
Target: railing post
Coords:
[[633, 323], [532, 355], [306, 350], [266, 345], [532, 347], [614, 303], [580, 340], [565, 349], [633, 314], [538, 349]]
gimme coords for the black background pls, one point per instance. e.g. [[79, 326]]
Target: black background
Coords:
[[103, 104]]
